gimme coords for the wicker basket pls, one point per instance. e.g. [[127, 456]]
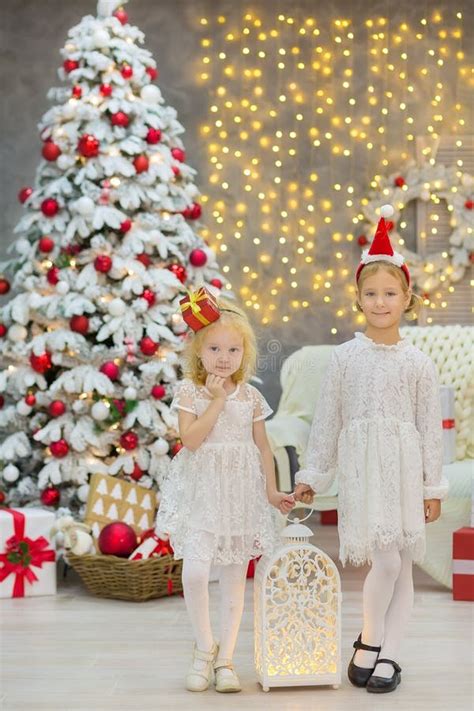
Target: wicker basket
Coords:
[[138, 580]]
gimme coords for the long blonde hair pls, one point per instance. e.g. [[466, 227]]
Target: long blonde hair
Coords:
[[416, 302], [234, 317]]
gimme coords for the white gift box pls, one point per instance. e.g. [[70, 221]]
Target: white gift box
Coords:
[[449, 424], [27, 555]]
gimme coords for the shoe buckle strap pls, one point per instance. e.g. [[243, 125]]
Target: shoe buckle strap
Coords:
[[390, 661], [358, 644], [204, 656]]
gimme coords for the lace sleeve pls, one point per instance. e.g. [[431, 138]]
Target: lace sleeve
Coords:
[[184, 398], [429, 425], [261, 409], [320, 460]]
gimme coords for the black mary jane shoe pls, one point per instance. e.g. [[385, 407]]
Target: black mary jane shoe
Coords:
[[359, 676], [382, 685]]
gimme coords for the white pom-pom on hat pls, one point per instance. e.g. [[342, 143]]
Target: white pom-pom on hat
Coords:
[[386, 211]]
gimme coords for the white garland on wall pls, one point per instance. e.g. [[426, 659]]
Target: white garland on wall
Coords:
[[429, 182]]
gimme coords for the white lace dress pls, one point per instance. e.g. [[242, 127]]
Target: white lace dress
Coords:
[[378, 427], [213, 502]]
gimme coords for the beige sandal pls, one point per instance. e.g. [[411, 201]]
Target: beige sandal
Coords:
[[226, 680], [199, 679]]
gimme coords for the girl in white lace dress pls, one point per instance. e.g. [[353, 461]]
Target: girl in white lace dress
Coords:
[[215, 503], [378, 427]]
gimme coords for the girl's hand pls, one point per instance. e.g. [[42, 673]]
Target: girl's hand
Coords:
[[432, 509], [304, 493], [283, 502], [215, 385]]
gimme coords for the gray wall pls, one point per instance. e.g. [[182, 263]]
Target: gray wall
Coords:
[[33, 31]]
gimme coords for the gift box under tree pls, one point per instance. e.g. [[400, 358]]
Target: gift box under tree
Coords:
[[27, 556], [463, 564]]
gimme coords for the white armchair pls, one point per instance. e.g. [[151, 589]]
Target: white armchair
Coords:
[[451, 349]]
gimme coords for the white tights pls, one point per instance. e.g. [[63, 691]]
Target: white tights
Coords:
[[196, 596], [387, 603]]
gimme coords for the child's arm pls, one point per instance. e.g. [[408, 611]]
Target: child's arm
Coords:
[[320, 460], [281, 501], [429, 425], [193, 430]]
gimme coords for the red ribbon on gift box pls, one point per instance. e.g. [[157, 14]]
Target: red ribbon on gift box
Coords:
[[448, 424], [21, 553]]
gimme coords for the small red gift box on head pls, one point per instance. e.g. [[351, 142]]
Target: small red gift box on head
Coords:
[[199, 309]]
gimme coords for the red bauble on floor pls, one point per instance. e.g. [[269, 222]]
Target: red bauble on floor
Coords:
[[118, 539]]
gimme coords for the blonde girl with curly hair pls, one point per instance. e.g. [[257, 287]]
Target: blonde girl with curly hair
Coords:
[[216, 501]]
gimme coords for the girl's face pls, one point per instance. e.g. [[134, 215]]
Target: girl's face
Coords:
[[222, 350], [382, 299]]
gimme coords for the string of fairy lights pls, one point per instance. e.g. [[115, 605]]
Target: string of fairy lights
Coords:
[[296, 135]]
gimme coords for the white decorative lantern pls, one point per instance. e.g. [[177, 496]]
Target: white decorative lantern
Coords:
[[297, 609]]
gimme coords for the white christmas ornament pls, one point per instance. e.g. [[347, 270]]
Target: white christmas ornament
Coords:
[[83, 492], [101, 38], [116, 307], [386, 211], [62, 287], [130, 393], [17, 333], [100, 411], [22, 408], [84, 206], [150, 94], [161, 446], [10, 473]]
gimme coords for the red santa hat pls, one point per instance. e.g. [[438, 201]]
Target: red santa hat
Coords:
[[381, 249]]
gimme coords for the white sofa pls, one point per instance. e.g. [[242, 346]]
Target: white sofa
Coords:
[[451, 348]]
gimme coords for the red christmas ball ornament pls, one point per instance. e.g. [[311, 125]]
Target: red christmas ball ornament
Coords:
[[192, 213], [179, 271], [52, 275], [76, 92], [117, 539], [149, 296], [178, 154], [129, 440], [49, 207], [362, 240], [144, 259], [88, 146], [471, 257], [110, 369], [216, 282], [148, 347], [103, 263], [2, 497], [399, 181], [125, 226], [57, 408], [158, 392], [79, 324], [3, 330], [198, 258], [152, 73], [106, 89], [41, 363], [24, 194], [4, 286], [137, 473], [2, 401], [120, 405], [176, 448], [59, 449], [153, 135], [50, 496], [176, 171], [51, 151], [126, 71], [70, 64], [46, 245], [141, 164], [121, 16], [469, 204], [30, 400], [120, 118]]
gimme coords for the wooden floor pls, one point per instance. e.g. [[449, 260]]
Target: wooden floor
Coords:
[[76, 652]]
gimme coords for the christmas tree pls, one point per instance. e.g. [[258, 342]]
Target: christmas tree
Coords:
[[90, 341]]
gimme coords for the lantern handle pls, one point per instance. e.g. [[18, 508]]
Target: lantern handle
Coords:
[[296, 519]]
